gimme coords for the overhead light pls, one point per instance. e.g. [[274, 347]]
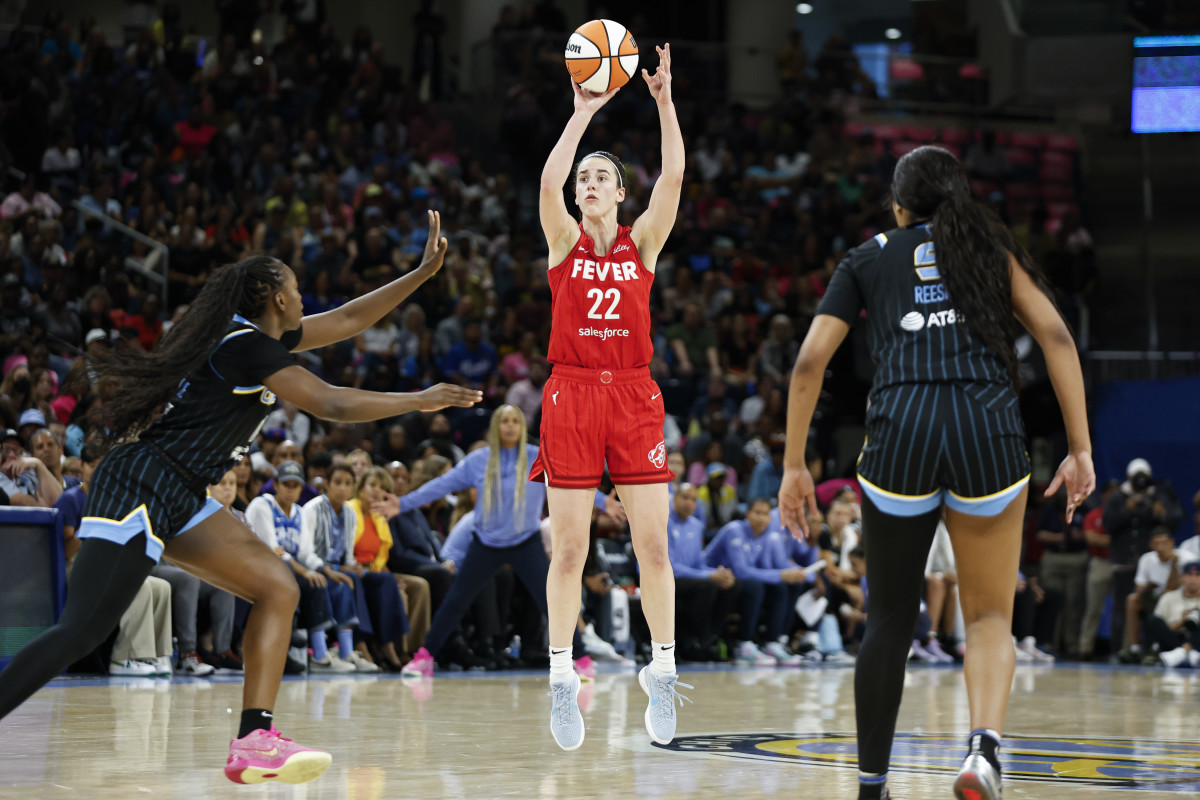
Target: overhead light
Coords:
[[803, 8], [892, 33]]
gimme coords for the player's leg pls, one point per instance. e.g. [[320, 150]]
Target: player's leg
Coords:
[[897, 542], [987, 552], [221, 550], [104, 581]]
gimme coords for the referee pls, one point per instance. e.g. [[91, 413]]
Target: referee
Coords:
[[943, 293]]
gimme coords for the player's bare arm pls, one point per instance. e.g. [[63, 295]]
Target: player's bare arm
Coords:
[[652, 228]]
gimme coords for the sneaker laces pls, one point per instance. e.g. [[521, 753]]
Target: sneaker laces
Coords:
[[665, 688], [561, 705]]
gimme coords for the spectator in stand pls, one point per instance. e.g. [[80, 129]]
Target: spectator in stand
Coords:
[[1174, 627], [297, 425], [704, 595], [289, 450], [1129, 516], [768, 473], [372, 548], [25, 480], [778, 352], [1099, 572], [747, 549], [694, 344], [417, 549], [45, 448], [26, 199], [276, 519], [472, 362], [1063, 569], [1035, 612], [526, 393], [1157, 573], [717, 500]]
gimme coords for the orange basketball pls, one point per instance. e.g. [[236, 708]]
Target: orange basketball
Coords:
[[601, 55]]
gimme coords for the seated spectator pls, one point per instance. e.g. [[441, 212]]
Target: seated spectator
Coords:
[[1035, 612], [840, 534], [276, 520], [289, 450], [187, 593], [1157, 572], [372, 548], [25, 480], [416, 549], [746, 549], [694, 344], [26, 199], [143, 645], [1174, 627], [704, 595], [941, 598], [46, 449], [472, 362], [717, 499], [526, 393], [328, 522], [768, 473]]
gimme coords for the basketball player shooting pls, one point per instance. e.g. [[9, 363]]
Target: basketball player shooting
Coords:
[[600, 403]]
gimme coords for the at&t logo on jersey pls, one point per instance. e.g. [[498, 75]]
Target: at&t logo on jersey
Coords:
[[658, 456], [915, 320], [605, 333]]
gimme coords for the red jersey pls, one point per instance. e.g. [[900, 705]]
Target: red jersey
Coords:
[[600, 306]]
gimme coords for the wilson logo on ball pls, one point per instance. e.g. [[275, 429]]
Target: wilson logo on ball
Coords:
[[601, 55]]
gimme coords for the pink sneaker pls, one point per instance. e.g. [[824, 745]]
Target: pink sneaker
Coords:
[[586, 668], [421, 665], [262, 756]]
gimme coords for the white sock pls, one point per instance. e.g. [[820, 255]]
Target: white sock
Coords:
[[663, 662], [561, 663]]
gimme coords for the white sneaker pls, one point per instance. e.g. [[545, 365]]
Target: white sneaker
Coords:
[[1174, 658], [330, 664], [934, 648], [748, 653], [360, 664], [599, 649], [1029, 645], [191, 665], [1023, 656], [1194, 658], [840, 657], [923, 655], [977, 780], [781, 655], [133, 668]]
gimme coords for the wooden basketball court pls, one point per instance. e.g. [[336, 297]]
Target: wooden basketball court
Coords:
[[1074, 731]]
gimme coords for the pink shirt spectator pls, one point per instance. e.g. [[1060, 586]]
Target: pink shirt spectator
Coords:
[[15, 205]]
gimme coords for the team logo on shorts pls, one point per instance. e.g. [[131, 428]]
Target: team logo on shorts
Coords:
[[1114, 764], [658, 456]]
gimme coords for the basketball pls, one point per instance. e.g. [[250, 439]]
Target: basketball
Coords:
[[601, 55]]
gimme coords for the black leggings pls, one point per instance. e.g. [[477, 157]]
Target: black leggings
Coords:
[[104, 581], [897, 548]]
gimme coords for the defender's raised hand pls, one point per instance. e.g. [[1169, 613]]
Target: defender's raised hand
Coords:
[[438, 397], [435, 245]]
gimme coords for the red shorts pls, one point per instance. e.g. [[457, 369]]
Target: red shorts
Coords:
[[592, 416]]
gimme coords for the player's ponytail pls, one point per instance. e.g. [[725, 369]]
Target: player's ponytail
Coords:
[[146, 381], [971, 246]]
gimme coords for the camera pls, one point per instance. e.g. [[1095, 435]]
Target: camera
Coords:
[[1141, 482]]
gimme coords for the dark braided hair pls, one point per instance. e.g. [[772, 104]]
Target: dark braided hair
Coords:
[[146, 381], [971, 244]]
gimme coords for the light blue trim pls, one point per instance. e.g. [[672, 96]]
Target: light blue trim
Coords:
[[122, 532], [882, 239], [1165, 41], [900, 505], [244, 321], [988, 506], [211, 506], [928, 273]]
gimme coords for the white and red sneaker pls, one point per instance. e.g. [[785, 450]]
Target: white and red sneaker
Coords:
[[261, 756]]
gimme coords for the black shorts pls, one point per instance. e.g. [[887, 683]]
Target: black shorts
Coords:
[[963, 443], [135, 489]]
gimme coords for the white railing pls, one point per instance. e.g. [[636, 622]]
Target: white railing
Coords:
[[154, 266]]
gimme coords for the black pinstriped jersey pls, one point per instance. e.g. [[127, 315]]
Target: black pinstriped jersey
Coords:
[[209, 425], [914, 332]]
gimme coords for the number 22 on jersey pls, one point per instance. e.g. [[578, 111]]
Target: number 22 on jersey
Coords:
[[600, 296]]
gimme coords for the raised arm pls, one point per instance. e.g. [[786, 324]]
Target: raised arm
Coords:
[[560, 228], [797, 490], [361, 313], [344, 404], [652, 228], [1039, 316]]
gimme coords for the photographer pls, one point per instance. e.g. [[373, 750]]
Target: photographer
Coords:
[[1175, 625], [1129, 515], [1157, 573]]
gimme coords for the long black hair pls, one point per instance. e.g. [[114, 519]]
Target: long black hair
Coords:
[[146, 381], [972, 246]]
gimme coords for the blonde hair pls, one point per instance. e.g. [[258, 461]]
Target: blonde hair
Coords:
[[378, 473], [491, 477]]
